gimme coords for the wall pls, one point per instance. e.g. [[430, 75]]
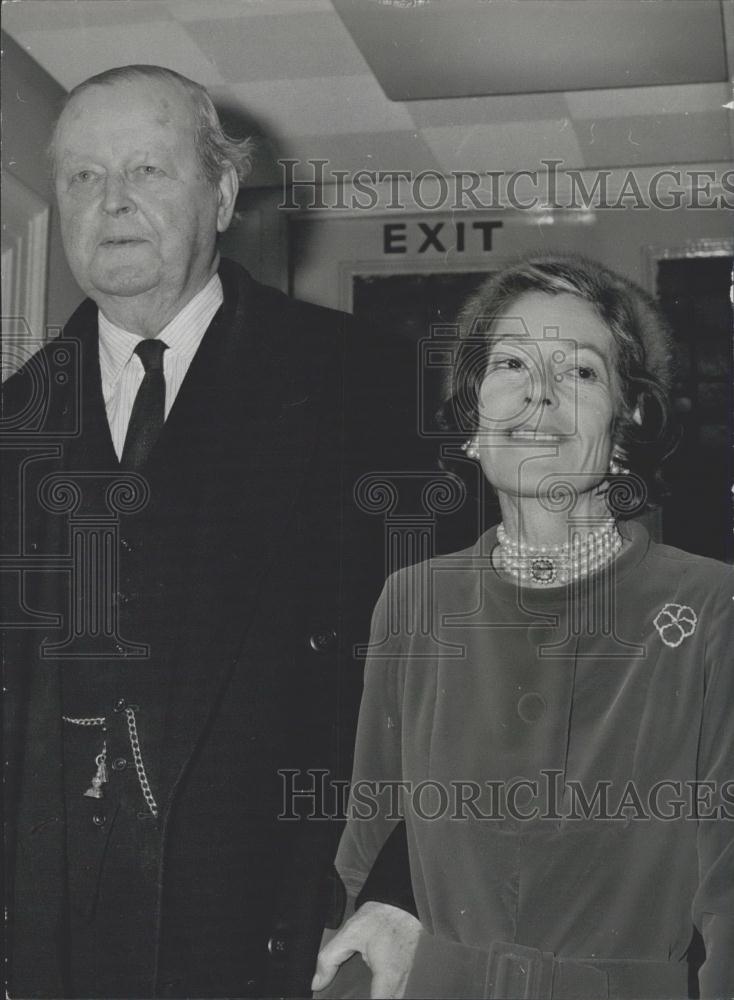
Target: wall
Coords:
[[31, 101], [329, 248], [313, 253]]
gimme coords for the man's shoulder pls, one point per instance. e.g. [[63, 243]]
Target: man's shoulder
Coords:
[[274, 305], [39, 391], [318, 314]]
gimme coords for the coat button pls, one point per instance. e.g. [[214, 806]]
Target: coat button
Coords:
[[119, 764], [531, 707], [322, 641], [277, 946], [120, 705], [99, 819]]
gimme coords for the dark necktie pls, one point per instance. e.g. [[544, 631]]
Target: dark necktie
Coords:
[[146, 419]]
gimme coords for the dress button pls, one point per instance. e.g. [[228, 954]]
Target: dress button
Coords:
[[99, 819], [277, 946], [126, 544], [323, 641], [119, 764], [531, 707]]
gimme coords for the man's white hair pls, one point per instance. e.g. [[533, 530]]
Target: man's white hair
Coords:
[[215, 148]]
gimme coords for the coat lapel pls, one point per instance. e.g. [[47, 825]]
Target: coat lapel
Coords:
[[92, 449]]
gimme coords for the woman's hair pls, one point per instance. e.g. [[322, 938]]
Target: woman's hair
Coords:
[[214, 147], [643, 358]]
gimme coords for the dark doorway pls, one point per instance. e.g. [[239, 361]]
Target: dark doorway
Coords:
[[694, 293], [407, 307]]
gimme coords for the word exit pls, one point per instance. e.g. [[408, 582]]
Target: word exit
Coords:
[[438, 237]]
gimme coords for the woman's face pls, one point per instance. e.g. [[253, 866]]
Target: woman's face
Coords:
[[549, 396]]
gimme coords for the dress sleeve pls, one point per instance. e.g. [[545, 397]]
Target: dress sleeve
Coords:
[[713, 904], [374, 802]]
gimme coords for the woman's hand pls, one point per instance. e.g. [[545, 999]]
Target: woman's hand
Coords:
[[386, 938]]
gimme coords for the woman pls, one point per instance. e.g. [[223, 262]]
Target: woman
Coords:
[[562, 724]]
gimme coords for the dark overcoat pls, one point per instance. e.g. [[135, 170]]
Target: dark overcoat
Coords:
[[243, 565]]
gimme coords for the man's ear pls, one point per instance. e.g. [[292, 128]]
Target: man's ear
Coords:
[[637, 415], [227, 191]]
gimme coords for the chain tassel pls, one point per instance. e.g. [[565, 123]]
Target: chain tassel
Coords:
[[95, 790]]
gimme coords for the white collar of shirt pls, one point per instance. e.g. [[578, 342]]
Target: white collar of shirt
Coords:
[[182, 335]]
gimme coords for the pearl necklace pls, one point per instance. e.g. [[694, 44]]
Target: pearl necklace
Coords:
[[558, 564]]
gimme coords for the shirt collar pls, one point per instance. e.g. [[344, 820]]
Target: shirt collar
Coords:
[[182, 335]]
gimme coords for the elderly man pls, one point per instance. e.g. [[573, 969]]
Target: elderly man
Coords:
[[159, 742]]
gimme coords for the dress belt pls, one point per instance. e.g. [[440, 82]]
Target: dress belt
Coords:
[[508, 971], [516, 971]]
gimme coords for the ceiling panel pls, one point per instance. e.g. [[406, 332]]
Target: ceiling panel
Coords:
[[381, 151], [640, 139], [503, 145], [73, 55], [461, 48], [321, 105], [54, 15], [689, 99], [289, 71], [310, 44], [195, 10], [483, 110]]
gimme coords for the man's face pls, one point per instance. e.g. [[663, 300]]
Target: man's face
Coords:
[[138, 217]]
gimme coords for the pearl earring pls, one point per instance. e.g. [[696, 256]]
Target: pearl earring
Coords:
[[471, 449]]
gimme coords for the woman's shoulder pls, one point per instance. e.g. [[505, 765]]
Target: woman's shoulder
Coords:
[[474, 557], [684, 583], [449, 581], [701, 569]]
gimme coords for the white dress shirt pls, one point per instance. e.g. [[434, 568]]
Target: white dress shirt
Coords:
[[122, 370]]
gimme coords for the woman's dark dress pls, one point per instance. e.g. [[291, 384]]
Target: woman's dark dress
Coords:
[[611, 699]]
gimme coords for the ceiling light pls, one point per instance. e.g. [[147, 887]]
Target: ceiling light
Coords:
[[404, 4]]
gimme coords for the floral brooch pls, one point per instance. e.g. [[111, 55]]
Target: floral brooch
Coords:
[[675, 622]]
